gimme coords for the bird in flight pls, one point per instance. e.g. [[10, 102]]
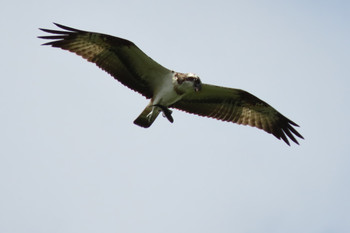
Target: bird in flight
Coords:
[[166, 89]]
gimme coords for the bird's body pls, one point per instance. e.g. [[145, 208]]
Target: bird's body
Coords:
[[165, 93], [169, 89]]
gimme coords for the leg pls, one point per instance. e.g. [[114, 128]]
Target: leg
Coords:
[[166, 112]]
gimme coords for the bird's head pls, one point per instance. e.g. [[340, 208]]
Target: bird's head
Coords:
[[189, 80]]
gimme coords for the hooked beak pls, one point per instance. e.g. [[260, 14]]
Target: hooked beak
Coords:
[[197, 86]]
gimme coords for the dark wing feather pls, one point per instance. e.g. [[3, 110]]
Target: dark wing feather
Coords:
[[119, 57], [239, 107]]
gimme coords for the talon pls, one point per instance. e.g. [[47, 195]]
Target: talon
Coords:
[[166, 112]]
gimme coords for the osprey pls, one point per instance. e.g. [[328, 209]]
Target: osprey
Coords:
[[169, 89]]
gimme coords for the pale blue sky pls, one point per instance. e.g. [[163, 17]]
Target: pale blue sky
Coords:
[[71, 160]]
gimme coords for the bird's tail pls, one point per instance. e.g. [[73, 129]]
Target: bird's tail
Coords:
[[147, 116]]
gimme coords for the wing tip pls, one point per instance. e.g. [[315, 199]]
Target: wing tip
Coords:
[[70, 29], [287, 131], [58, 35]]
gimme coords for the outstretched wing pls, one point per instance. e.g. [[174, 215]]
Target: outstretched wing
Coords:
[[119, 57], [239, 107]]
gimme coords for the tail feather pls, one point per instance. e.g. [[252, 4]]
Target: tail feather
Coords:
[[144, 119]]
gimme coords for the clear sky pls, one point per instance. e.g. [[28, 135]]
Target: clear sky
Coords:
[[71, 160]]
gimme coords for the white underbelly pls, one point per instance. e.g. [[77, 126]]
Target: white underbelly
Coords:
[[166, 95]]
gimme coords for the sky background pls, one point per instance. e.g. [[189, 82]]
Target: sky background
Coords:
[[71, 160]]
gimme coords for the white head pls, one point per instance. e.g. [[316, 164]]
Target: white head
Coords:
[[188, 81]]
